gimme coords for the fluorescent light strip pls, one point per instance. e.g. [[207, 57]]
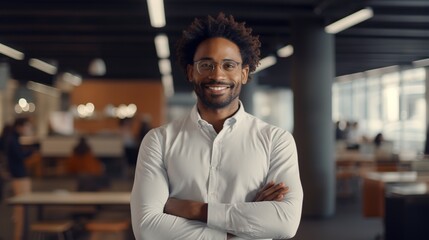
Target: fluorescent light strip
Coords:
[[42, 66], [285, 51], [164, 66], [265, 63], [156, 13], [72, 79], [421, 62], [45, 89], [161, 45], [167, 83], [349, 21], [10, 52]]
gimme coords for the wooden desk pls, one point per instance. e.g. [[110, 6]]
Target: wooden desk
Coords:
[[41, 199], [373, 190]]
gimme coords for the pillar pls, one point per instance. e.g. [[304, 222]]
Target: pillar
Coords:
[[312, 77], [247, 93]]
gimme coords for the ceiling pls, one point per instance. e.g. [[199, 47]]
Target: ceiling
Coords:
[[72, 32]]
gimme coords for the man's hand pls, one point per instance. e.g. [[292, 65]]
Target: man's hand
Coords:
[[188, 209], [271, 192]]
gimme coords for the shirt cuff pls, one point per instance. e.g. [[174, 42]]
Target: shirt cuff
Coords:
[[216, 216]]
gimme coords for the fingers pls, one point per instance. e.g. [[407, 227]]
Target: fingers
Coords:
[[272, 192], [267, 186]]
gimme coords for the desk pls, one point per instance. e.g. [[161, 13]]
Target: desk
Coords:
[[41, 199], [373, 189], [407, 212]]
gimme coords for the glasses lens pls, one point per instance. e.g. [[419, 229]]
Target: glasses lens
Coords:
[[229, 66], [205, 66]]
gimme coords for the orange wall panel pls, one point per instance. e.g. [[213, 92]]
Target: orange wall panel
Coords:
[[147, 95]]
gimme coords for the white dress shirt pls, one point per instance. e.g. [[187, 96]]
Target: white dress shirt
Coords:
[[187, 159]]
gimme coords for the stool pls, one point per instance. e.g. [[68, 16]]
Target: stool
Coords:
[[107, 229], [61, 228]]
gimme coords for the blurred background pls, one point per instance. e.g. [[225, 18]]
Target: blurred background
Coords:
[[106, 71]]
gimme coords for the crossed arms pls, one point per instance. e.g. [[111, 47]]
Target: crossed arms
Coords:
[[194, 210], [274, 212]]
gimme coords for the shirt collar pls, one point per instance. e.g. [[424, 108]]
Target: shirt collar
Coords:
[[196, 117]]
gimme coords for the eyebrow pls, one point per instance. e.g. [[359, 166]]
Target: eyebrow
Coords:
[[209, 58]]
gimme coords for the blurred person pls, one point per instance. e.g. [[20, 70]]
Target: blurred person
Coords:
[[4, 172], [83, 161], [129, 140], [145, 127], [340, 133], [219, 172], [382, 152], [378, 140], [16, 155], [353, 137]]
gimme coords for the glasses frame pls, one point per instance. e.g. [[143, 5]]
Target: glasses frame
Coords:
[[215, 65]]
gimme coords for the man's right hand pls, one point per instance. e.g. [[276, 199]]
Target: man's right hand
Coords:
[[272, 192]]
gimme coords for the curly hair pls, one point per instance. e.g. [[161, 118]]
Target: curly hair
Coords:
[[221, 26]]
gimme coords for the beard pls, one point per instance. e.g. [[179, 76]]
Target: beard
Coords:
[[216, 101]]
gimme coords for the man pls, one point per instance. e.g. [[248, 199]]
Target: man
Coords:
[[17, 156], [218, 173]]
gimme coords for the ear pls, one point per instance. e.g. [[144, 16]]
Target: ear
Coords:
[[190, 72], [244, 74]]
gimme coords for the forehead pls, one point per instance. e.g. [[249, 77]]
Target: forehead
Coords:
[[217, 49]]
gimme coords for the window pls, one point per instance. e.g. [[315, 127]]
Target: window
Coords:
[[392, 103]]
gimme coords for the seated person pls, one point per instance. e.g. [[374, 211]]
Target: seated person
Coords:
[[82, 161], [383, 148]]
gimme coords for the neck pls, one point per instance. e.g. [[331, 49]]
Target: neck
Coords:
[[217, 117]]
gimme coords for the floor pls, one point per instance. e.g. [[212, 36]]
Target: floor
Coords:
[[346, 224]]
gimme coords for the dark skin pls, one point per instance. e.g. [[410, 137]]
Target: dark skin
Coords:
[[218, 100]]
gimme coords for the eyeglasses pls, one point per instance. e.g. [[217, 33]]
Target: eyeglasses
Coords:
[[207, 66]]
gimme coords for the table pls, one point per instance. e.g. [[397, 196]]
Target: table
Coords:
[[373, 189], [65, 198]]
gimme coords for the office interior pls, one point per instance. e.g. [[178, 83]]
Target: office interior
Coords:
[[84, 68]]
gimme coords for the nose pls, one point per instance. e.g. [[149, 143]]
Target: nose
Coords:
[[217, 72]]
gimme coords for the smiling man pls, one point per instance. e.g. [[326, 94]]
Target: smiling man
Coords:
[[219, 172]]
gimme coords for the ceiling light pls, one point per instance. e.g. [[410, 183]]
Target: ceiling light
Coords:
[[421, 62], [72, 79], [10, 52], [167, 83], [164, 66], [156, 13], [43, 66], [42, 88], [349, 21], [97, 67], [285, 51], [161, 45], [265, 63]]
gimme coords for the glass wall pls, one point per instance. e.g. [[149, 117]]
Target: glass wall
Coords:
[[391, 103]]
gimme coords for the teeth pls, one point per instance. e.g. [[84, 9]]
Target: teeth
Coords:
[[217, 88]]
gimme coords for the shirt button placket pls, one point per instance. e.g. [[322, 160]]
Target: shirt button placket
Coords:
[[214, 171]]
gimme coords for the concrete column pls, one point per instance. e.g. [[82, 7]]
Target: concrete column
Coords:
[[312, 77], [247, 93]]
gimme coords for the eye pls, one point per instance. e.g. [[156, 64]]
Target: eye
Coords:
[[205, 65], [229, 65]]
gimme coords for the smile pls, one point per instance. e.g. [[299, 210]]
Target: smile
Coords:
[[217, 88]]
